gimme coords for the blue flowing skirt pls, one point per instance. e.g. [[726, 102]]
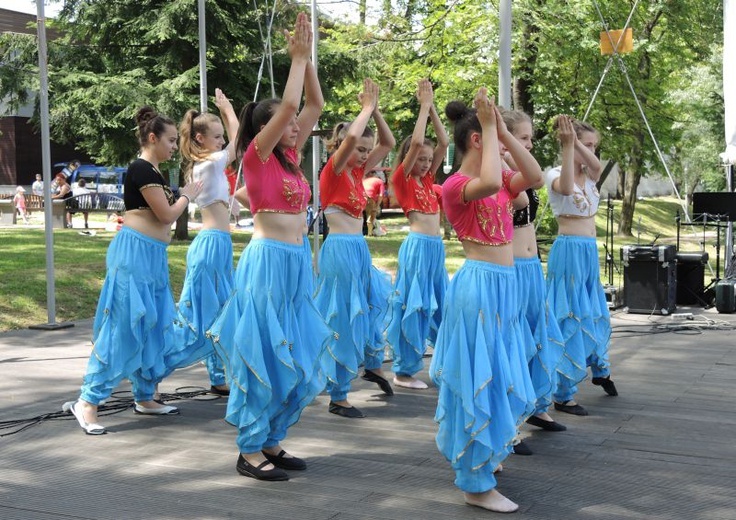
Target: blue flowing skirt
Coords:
[[576, 296], [207, 286], [352, 295], [479, 365], [133, 325], [271, 338], [416, 301], [542, 336]]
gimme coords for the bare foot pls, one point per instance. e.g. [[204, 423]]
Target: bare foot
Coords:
[[256, 459], [498, 469], [89, 411], [410, 382], [344, 403], [491, 500], [545, 417]]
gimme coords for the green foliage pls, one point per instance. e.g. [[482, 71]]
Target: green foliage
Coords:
[[115, 56]]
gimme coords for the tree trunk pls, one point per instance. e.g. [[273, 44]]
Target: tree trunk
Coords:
[[633, 176], [361, 11], [526, 61], [621, 185]]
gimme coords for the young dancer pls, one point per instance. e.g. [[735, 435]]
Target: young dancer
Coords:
[[542, 337], [479, 362], [209, 278], [269, 333], [421, 280], [573, 276], [135, 313], [351, 294]]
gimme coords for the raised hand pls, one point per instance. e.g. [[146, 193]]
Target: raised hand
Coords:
[[503, 131], [221, 100], [485, 108], [425, 94], [299, 43], [369, 96], [565, 130]]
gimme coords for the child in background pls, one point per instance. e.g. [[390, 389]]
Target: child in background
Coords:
[[20, 203]]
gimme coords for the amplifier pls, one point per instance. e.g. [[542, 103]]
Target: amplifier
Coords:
[[691, 278], [650, 279], [726, 295], [661, 254]]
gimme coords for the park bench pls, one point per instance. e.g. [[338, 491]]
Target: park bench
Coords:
[[95, 202]]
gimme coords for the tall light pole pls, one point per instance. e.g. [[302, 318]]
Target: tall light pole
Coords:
[[202, 58], [46, 167], [504, 54]]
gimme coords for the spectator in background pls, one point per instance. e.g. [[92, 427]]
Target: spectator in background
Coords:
[[69, 170], [37, 186], [374, 191], [80, 189]]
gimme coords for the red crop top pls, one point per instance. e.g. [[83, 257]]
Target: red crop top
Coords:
[[487, 221], [271, 188], [344, 191], [415, 196]]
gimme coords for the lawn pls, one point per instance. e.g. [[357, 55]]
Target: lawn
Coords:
[[80, 260]]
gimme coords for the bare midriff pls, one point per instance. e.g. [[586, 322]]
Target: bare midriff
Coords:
[[216, 216], [144, 221], [525, 242], [425, 223], [576, 226], [284, 227], [502, 254], [343, 224]]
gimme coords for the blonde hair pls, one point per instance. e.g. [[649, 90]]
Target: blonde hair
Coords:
[[514, 118], [340, 132], [194, 123]]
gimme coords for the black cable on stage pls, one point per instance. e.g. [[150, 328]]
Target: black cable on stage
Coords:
[[116, 403]]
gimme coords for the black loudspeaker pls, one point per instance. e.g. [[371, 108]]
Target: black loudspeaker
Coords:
[[726, 296], [721, 204], [650, 279], [691, 278]]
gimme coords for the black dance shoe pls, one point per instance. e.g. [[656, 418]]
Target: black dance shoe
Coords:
[[292, 463], [350, 412], [550, 426], [382, 382], [574, 409], [521, 448], [257, 472], [606, 384]]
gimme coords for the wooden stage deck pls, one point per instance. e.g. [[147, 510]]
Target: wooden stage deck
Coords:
[[664, 449]]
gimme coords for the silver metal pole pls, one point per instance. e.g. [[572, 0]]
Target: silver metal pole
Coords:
[[315, 142], [46, 168], [202, 58], [504, 54], [729, 226]]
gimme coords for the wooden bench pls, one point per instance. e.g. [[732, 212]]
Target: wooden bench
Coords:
[[34, 203]]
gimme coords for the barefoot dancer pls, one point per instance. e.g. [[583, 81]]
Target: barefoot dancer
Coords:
[[421, 280]]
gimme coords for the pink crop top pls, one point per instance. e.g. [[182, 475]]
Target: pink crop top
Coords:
[[271, 188], [344, 191], [415, 196], [487, 221]]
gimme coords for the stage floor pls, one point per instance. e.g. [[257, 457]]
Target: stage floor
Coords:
[[664, 449]]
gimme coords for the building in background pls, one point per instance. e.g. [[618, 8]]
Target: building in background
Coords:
[[20, 140]]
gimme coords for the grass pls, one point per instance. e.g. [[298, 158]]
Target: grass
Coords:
[[80, 260]]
